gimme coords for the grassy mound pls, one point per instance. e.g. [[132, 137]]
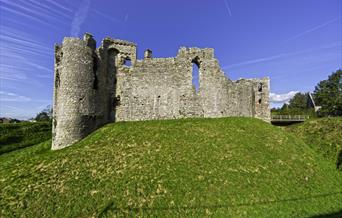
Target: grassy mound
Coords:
[[323, 135], [194, 167], [14, 136]]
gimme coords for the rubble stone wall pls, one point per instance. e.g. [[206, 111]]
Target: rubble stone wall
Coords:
[[97, 86]]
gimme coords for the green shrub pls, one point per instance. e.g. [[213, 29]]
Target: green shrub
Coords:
[[14, 136]]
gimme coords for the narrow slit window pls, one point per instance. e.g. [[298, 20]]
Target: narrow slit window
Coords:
[[195, 75], [95, 83]]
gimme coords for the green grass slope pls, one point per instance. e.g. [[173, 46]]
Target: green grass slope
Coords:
[[239, 167], [15, 136], [324, 135]]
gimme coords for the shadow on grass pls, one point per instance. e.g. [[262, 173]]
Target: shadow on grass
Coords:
[[110, 207], [337, 214], [339, 162]]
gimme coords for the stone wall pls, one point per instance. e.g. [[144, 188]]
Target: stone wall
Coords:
[[95, 86], [74, 112]]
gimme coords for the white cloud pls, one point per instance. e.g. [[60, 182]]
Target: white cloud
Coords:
[[9, 96], [20, 112], [31, 10], [282, 98], [79, 18], [27, 15], [55, 3], [47, 8]]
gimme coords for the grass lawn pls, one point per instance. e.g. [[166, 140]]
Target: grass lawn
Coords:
[[324, 135], [238, 167]]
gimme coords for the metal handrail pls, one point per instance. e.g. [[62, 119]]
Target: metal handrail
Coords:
[[289, 117]]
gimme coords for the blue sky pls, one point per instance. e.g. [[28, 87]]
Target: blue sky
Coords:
[[296, 43]]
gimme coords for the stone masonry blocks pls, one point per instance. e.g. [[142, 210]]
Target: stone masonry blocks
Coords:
[[94, 86]]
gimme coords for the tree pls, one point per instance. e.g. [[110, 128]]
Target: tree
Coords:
[[45, 114], [285, 107], [299, 101], [42, 116], [48, 110], [299, 104], [328, 95]]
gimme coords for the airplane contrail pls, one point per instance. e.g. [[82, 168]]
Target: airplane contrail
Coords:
[[282, 55], [314, 28], [228, 8], [79, 18]]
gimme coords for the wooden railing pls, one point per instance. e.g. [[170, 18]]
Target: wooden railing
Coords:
[[289, 118]]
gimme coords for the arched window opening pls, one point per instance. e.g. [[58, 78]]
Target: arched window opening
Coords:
[[127, 62], [259, 101], [260, 87], [195, 73]]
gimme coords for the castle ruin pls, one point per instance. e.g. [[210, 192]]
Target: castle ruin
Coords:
[[94, 86]]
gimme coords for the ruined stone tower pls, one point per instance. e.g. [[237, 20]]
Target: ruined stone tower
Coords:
[[95, 86]]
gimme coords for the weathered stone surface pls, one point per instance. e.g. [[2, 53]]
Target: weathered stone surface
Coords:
[[95, 86]]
